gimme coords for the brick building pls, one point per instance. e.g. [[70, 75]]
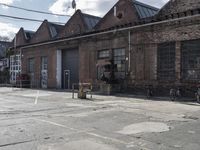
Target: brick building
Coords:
[[22, 37], [133, 45]]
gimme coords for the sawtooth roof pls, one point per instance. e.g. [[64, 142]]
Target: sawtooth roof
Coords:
[[91, 20], [144, 10]]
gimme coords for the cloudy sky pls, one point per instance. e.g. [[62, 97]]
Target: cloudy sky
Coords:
[[9, 27]]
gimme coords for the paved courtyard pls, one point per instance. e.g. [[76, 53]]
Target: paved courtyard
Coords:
[[48, 120]]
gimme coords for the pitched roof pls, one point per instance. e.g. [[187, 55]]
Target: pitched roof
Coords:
[[28, 34], [90, 20], [178, 6], [144, 10], [54, 29]]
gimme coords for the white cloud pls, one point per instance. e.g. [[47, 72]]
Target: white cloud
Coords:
[[8, 30], [87, 6], [95, 7], [7, 2], [60, 6]]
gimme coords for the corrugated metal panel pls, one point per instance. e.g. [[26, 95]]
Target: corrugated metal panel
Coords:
[[70, 62], [145, 10]]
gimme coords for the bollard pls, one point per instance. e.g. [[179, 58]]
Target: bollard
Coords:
[[73, 91]]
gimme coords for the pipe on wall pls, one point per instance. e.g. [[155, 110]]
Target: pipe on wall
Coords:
[[129, 51]]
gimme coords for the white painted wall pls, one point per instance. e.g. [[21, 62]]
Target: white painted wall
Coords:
[[59, 69]]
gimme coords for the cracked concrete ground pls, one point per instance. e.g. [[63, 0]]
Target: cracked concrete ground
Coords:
[[47, 120]]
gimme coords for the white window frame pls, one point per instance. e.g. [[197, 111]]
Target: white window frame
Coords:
[[15, 67]]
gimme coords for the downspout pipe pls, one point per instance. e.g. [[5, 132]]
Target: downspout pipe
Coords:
[[129, 52], [20, 67]]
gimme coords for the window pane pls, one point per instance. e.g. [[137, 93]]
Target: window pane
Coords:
[[104, 54], [119, 63], [31, 63], [44, 63], [190, 60], [166, 61]]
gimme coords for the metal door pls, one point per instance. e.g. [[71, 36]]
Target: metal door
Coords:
[[66, 79], [70, 63]]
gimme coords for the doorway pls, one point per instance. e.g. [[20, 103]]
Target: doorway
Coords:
[[66, 79]]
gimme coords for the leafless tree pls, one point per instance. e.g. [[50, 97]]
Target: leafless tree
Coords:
[[4, 38]]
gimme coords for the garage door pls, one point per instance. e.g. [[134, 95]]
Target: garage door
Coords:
[[70, 68]]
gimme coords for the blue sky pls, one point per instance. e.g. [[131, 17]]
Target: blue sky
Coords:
[[9, 27]]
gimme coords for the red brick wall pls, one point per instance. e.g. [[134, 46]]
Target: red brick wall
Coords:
[[37, 53], [175, 6], [144, 42], [74, 26], [42, 34], [20, 38], [123, 6]]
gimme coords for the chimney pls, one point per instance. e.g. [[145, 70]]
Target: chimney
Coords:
[[115, 11]]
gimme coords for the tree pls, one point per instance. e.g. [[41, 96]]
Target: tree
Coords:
[[4, 38]]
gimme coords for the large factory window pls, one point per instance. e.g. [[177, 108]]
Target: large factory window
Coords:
[[119, 63], [31, 70], [166, 61], [31, 65], [15, 67], [190, 51]]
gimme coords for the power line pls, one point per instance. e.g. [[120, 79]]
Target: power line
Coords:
[[27, 19], [32, 10]]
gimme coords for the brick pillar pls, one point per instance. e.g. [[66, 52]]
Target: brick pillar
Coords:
[[178, 62]]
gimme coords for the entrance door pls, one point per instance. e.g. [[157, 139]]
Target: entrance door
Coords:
[[67, 79]]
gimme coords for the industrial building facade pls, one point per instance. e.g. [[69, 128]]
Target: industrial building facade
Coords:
[[133, 45]]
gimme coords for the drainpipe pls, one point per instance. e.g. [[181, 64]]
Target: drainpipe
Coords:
[[129, 51], [20, 67]]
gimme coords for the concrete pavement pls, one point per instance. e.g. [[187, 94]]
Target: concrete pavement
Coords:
[[47, 120]]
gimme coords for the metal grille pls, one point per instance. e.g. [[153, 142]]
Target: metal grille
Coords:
[[166, 61], [190, 60]]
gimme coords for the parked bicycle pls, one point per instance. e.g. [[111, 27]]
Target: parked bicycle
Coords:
[[175, 94], [197, 94], [149, 91]]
